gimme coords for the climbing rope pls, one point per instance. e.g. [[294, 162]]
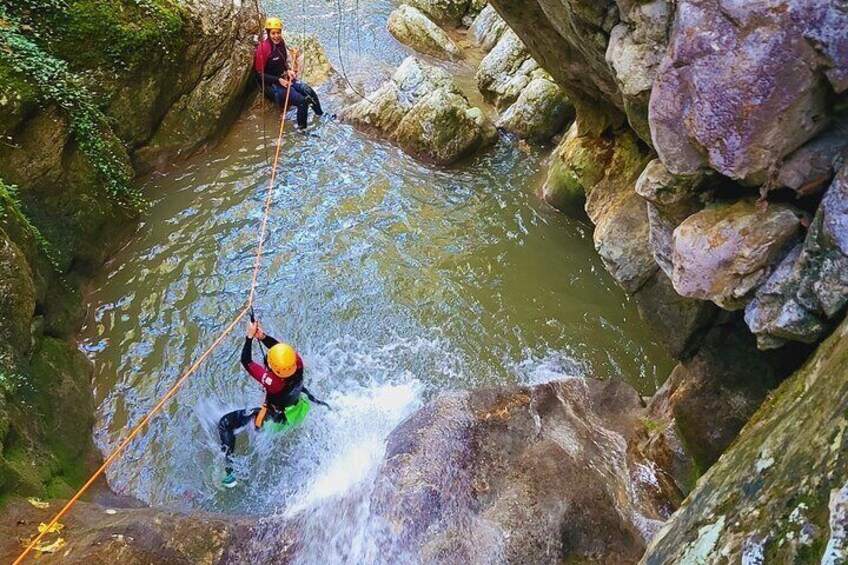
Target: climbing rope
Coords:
[[247, 309]]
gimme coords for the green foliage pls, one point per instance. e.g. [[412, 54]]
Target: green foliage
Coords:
[[120, 34], [9, 194], [56, 83]]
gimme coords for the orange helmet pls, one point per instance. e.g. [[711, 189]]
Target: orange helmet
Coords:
[[283, 360]]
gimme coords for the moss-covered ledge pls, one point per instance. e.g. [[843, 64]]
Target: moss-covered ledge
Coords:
[[779, 494], [92, 92]]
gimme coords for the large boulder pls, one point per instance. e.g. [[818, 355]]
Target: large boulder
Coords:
[[810, 286], [540, 112], [487, 29], [777, 495], [533, 106], [743, 85], [315, 67], [422, 110], [414, 29], [443, 12], [725, 252], [636, 47], [541, 474]]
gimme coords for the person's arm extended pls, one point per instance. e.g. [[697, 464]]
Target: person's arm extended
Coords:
[[268, 341], [247, 353]]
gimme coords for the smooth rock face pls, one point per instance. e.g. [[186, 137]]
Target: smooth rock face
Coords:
[[725, 252], [540, 112], [678, 321], [712, 395], [810, 286], [423, 111], [778, 491], [442, 11], [414, 29], [535, 475], [636, 47], [487, 29], [744, 84]]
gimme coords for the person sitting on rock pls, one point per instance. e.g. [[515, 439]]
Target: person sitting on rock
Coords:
[[276, 70], [282, 379]]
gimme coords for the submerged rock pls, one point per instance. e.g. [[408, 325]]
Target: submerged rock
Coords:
[[422, 110], [724, 253], [414, 29], [777, 494], [722, 86]]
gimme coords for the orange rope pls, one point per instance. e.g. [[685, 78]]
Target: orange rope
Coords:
[[193, 368]]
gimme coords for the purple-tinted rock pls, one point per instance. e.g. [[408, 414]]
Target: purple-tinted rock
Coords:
[[809, 169], [725, 252], [744, 84]]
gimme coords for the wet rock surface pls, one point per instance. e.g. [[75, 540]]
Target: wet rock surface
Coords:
[[422, 110], [777, 494], [539, 474], [413, 28]]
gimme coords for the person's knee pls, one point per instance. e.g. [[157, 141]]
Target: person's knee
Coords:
[[225, 423]]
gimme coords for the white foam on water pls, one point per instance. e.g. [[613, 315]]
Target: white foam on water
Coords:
[[553, 365]]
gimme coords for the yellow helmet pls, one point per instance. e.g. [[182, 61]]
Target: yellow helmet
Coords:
[[273, 23], [283, 360]]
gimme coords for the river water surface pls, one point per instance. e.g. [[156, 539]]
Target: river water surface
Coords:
[[394, 279]]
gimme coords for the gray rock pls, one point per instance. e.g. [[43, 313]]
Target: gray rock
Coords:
[[725, 252], [487, 29], [671, 199], [636, 47], [540, 112], [414, 29], [809, 169], [422, 110], [442, 11], [720, 88], [678, 321], [810, 287], [506, 71], [314, 64], [569, 38], [772, 492]]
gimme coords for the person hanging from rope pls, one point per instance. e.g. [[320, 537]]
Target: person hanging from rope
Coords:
[[285, 405], [277, 70]]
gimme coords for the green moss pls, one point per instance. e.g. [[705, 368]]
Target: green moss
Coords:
[[26, 61]]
